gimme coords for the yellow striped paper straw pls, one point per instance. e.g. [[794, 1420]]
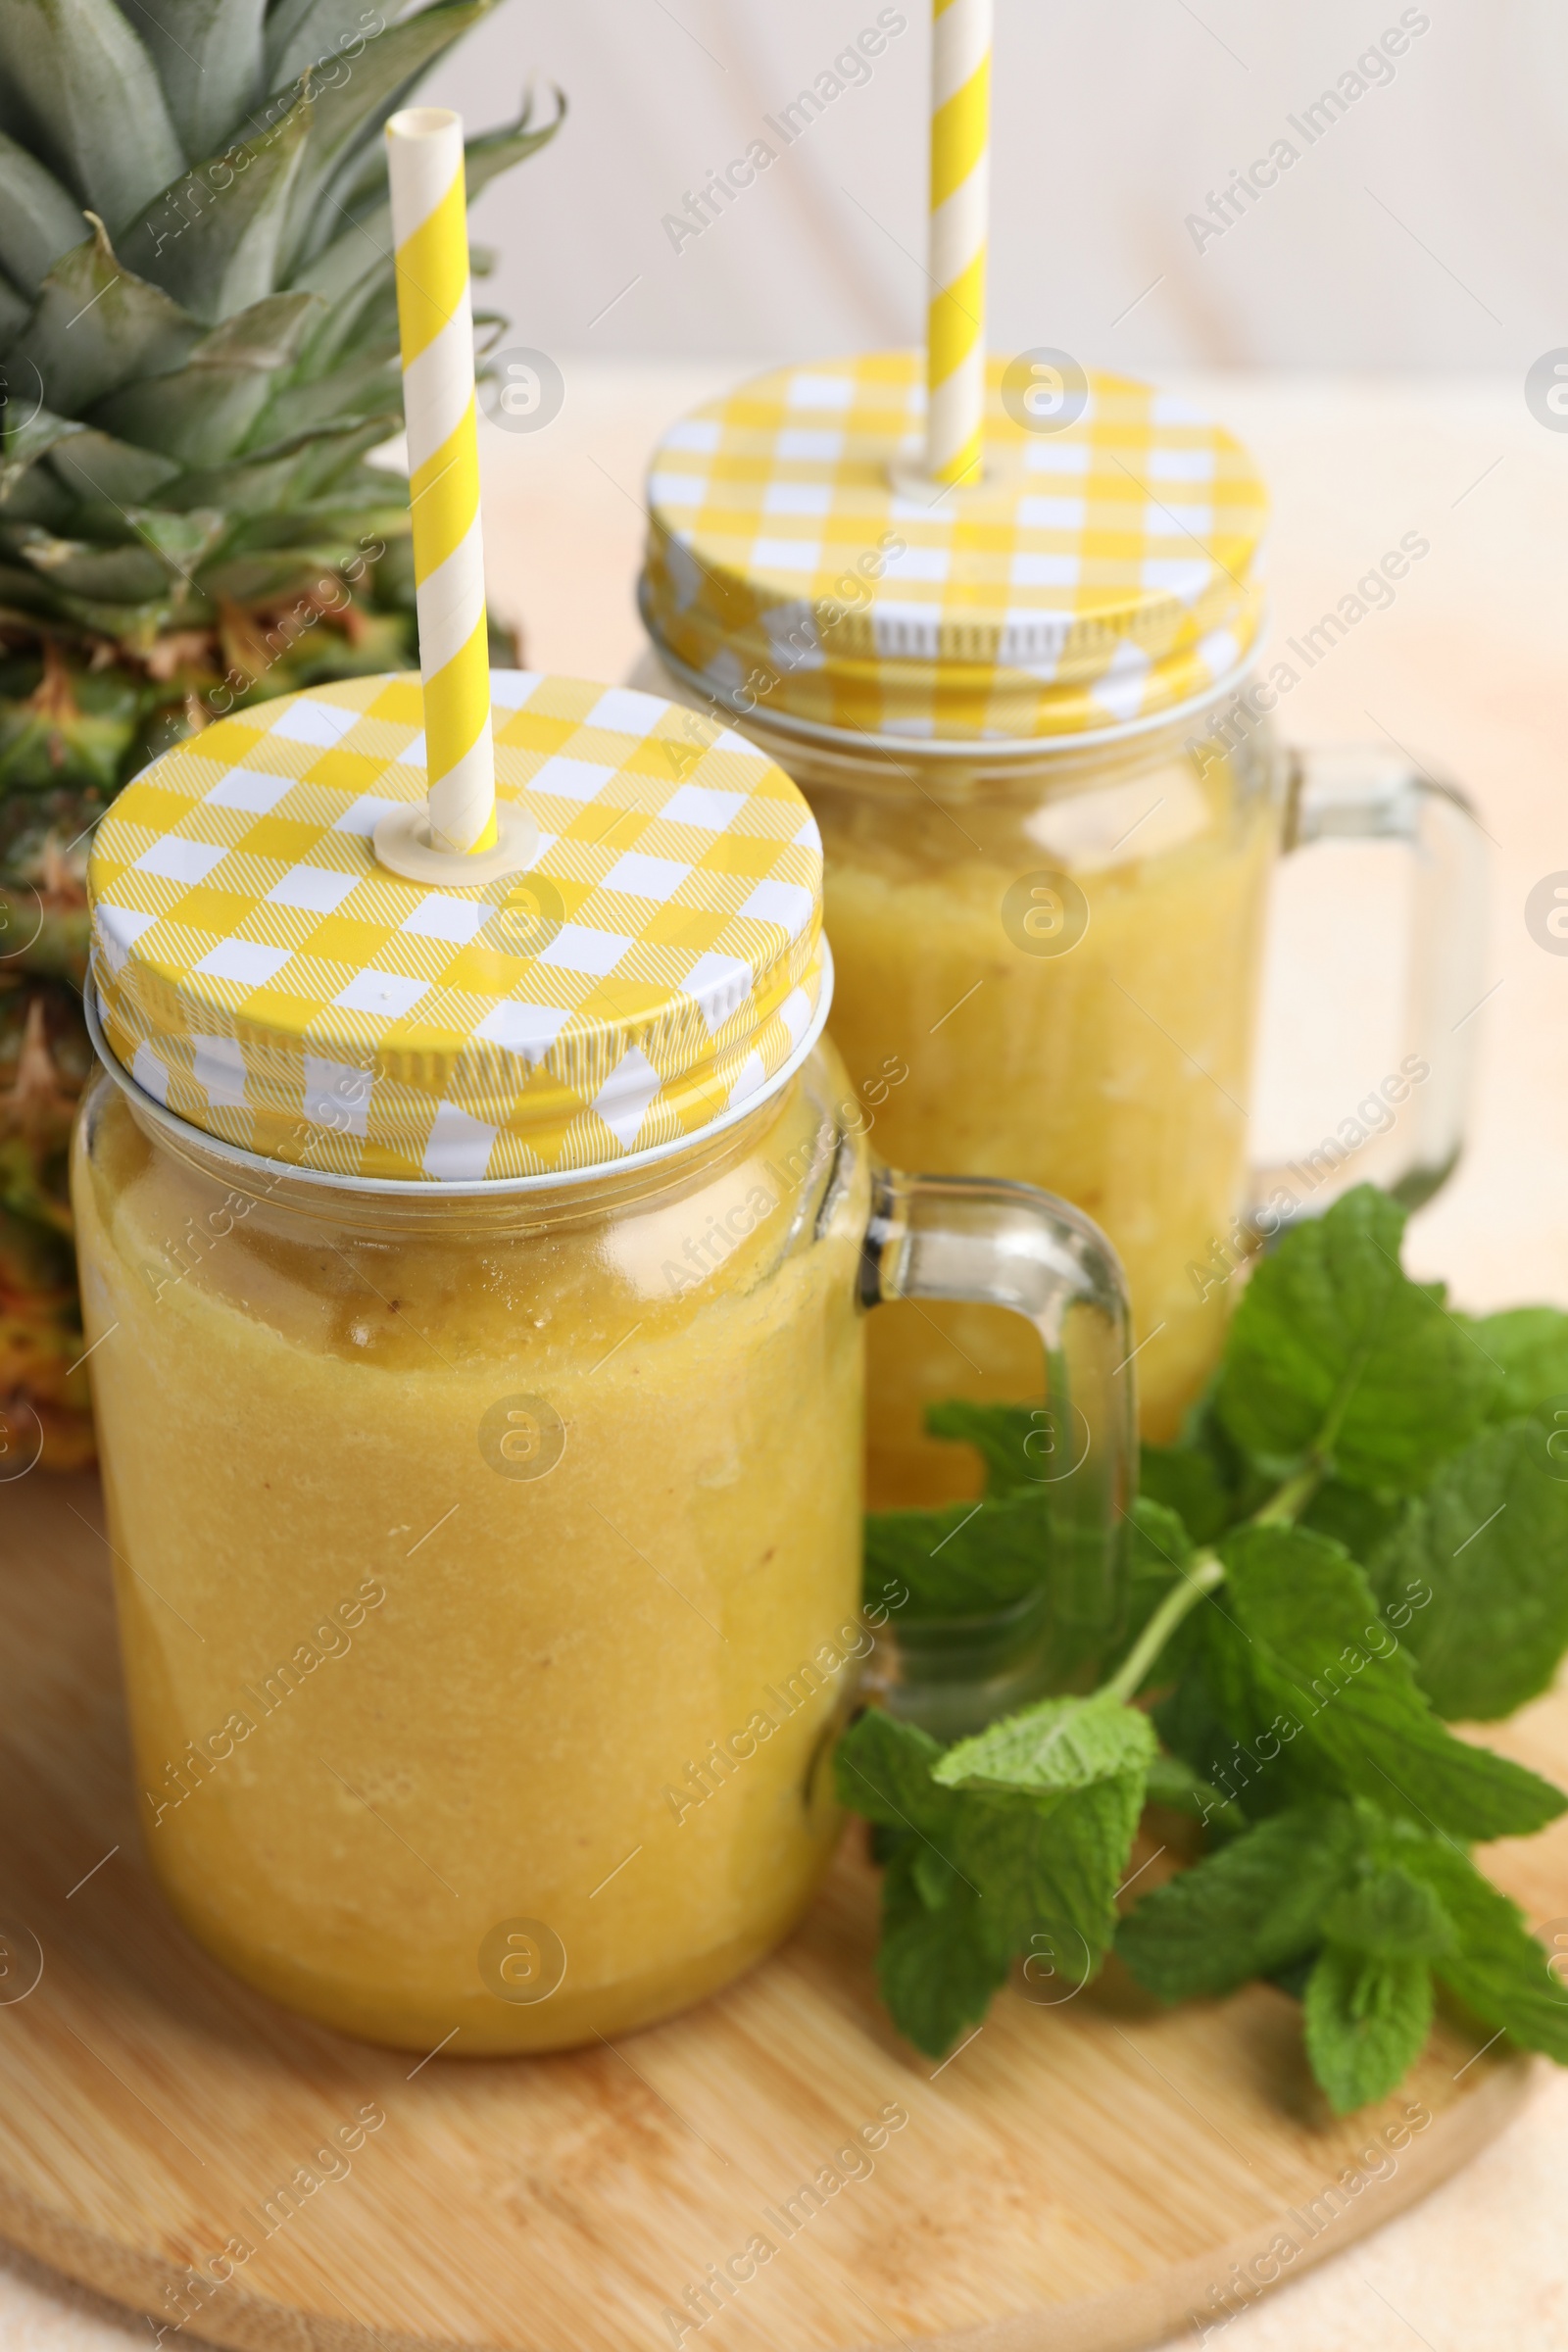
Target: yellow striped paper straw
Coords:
[[960, 196], [435, 328]]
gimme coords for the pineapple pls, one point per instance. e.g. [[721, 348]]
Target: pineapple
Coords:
[[198, 351], [44, 1058]]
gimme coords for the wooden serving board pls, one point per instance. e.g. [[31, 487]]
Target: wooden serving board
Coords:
[[1084, 2176]]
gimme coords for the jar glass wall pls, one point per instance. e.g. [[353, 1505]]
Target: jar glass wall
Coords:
[[488, 1567], [1048, 969]]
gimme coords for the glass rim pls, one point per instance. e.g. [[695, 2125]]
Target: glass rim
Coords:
[[1006, 750], [188, 1136]]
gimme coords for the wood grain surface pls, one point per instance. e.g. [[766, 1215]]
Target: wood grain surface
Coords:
[[1089, 2175]]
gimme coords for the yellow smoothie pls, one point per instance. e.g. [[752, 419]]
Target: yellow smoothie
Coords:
[[1115, 1072], [984, 692], [488, 1575]]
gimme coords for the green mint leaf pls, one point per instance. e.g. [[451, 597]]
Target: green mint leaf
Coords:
[[936, 1967], [936, 1881], [1162, 1544], [1190, 1483], [1061, 1744], [1363, 1523], [1017, 1443], [1157, 1552], [1251, 1908], [1294, 1977], [1497, 1969], [1334, 1351], [1175, 1785], [1050, 1861], [1476, 1578], [1228, 1722], [1318, 1653], [1027, 1861], [1388, 1915], [1367, 2023], [1214, 1721], [965, 1559], [1248, 1486], [882, 1768], [1530, 1346], [936, 1971]]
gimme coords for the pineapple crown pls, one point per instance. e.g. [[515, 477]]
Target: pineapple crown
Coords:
[[198, 315]]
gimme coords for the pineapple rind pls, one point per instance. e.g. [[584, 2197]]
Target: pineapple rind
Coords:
[[44, 1062]]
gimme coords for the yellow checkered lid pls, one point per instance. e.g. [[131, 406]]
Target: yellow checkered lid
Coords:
[[266, 979], [1108, 567]]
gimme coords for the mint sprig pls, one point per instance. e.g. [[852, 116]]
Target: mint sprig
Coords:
[[1366, 2022], [1363, 1536], [1309, 1655], [973, 1875], [957, 1560], [1334, 1351], [1484, 1543]]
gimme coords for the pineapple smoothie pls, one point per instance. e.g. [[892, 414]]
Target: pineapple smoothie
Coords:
[[470, 1279], [1045, 910], [1074, 1012], [488, 1573]]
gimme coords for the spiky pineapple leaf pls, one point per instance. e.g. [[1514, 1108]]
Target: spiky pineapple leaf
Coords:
[[27, 439], [209, 59], [22, 595], [496, 151], [368, 385], [361, 188], [203, 411], [271, 576], [123, 575], [355, 106], [183, 541], [97, 326], [14, 311], [285, 476], [360, 252], [153, 493], [362, 182], [87, 82], [212, 241], [136, 554], [364, 312], [40, 496], [301, 33], [134, 630], [40, 220], [94, 466]]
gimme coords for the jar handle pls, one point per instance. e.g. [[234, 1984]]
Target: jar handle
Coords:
[[987, 1242], [1357, 793]]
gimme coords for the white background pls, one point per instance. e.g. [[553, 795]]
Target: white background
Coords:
[[1424, 230]]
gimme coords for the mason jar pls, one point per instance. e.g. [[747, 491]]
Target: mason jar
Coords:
[[477, 1321], [1034, 721]]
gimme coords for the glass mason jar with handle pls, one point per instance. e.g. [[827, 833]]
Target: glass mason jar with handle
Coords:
[[1050, 801], [475, 1282]]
